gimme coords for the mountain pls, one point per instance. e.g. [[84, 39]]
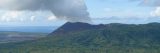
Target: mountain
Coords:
[[86, 38], [74, 27]]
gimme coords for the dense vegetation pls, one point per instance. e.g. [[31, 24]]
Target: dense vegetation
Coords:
[[113, 38]]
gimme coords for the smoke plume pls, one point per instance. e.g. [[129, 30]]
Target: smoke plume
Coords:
[[70, 10]]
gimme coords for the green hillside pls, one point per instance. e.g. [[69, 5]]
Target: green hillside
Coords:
[[113, 38]]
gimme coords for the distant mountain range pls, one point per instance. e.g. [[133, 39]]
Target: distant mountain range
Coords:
[[87, 38]]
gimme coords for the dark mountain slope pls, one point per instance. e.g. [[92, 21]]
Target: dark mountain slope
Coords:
[[74, 27], [111, 38]]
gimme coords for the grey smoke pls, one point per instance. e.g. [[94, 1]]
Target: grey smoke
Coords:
[[71, 10]]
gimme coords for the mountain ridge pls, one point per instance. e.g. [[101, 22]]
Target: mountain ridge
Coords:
[[111, 38], [76, 26]]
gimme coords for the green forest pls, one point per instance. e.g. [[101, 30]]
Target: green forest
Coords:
[[112, 38]]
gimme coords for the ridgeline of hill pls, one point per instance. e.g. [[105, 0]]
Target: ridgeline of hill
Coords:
[[86, 38]]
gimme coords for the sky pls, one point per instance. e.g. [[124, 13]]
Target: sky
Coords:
[[123, 11], [100, 11]]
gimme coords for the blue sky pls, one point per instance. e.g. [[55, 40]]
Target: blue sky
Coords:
[[101, 11], [121, 8], [123, 11]]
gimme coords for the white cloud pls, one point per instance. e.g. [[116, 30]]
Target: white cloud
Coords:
[[52, 18], [11, 16], [74, 10], [14, 14], [25, 16], [21, 19], [156, 12], [32, 18], [8, 19]]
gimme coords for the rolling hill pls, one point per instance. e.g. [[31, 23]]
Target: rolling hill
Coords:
[[87, 38]]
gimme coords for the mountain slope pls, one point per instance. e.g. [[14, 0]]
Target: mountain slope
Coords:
[[74, 27], [110, 38]]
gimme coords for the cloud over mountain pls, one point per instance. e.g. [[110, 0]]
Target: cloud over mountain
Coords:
[[71, 10]]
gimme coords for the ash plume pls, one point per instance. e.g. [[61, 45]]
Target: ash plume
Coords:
[[70, 10]]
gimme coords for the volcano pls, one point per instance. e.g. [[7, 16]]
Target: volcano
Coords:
[[75, 27], [87, 38]]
